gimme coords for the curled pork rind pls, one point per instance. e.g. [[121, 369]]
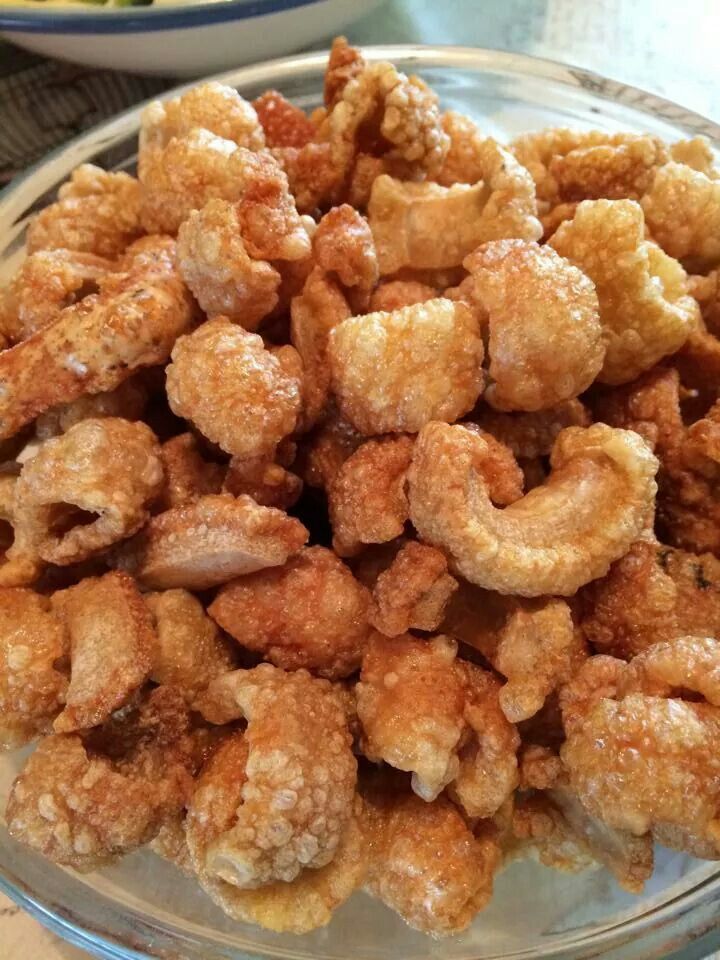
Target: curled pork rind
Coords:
[[20, 564], [367, 497], [46, 283], [424, 225], [187, 475], [394, 372], [425, 862], [413, 592], [33, 642], [284, 124], [97, 344], [112, 645], [682, 209], [309, 613], [96, 212], [210, 541], [237, 393], [127, 401], [669, 782], [545, 338], [89, 488], [645, 309], [189, 651], [532, 435], [559, 535]]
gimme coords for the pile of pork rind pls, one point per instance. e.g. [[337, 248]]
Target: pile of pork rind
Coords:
[[360, 503]]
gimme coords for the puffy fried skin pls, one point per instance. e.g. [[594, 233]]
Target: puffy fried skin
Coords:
[[392, 295], [20, 564], [682, 209], [97, 344], [190, 650], [96, 212], [327, 448], [425, 862], [112, 644], [367, 498], [413, 592], [89, 488], [464, 160], [532, 435], [611, 171], [394, 372], [237, 393], [128, 401], [309, 613], [284, 124], [33, 642], [210, 541], [645, 309], [343, 247], [268, 483], [187, 475], [546, 342], [559, 535]]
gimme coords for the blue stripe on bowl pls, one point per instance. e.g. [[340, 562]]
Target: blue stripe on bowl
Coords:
[[137, 19]]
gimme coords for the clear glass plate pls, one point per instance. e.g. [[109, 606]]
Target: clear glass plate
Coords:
[[143, 907]]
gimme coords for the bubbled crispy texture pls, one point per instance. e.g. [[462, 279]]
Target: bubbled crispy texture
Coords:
[[112, 645], [537, 545], [706, 291], [127, 401], [32, 685], [268, 483], [20, 564], [210, 541], [234, 390], [108, 468], [189, 650], [297, 798], [610, 171], [284, 124], [546, 342], [327, 448], [464, 160], [413, 592], [96, 212], [681, 664], [212, 106], [309, 613], [344, 63], [682, 209], [645, 309], [343, 246], [531, 435], [391, 295], [367, 498], [187, 475], [394, 372]]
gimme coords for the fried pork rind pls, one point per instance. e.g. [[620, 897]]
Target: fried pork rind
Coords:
[[20, 564], [394, 372], [392, 295], [99, 343], [645, 309], [413, 592], [96, 212], [284, 124], [559, 535], [33, 642], [653, 593], [210, 541], [424, 225], [237, 393], [696, 153], [464, 162], [112, 644], [532, 435], [268, 483], [327, 448], [367, 498], [611, 171], [309, 613], [706, 291], [187, 475], [89, 488], [46, 283], [425, 862], [82, 808], [658, 766], [344, 63], [343, 246], [127, 401], [545, 338], [682, 209]]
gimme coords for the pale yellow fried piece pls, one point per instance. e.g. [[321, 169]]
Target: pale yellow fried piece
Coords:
[[706, 291], [210, 541], [532, 435], [394, 372], [218, 806], [96, 212], [425, 862], [20, 564], [33, 642], [413, 592], [425, 225], [327, 448], [696, 153], [284, 124], [410, 702], [557, 215], [267, 482], [112, 645], [127, 401], [559, 535], [309, 613], [545, 338], [46, 283], [189, 651], [170, 844], [236, 392], [97, 344], [187, 475], [608, 171], [682, 209], [464, 162], [392, 295], [343, 247], [89, 488], [645, 309], [367, 498]]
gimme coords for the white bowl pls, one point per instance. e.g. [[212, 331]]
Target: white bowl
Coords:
[[181, 40]]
